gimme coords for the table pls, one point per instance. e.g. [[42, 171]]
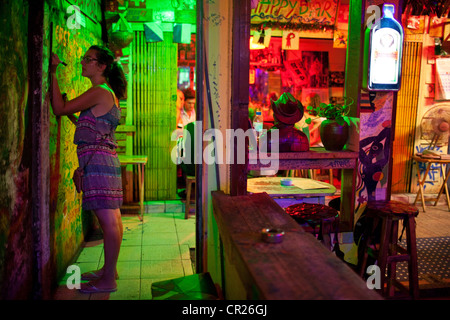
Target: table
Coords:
[[445, 173], [140, 161], [299, 190], [317, 158]]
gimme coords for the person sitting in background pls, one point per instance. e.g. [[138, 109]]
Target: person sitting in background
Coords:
[[185, 122], [187, 112], [180, 104], [187, 157]]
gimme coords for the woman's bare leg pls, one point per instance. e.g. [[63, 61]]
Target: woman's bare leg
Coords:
[[111, 223]]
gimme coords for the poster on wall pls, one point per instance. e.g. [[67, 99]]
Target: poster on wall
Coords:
[[316, 62], [436, 26], [297, 71], [341, 32], [415, 25], [323, 93], [337, 79], [290, 40], [262, 37], [340, 39], [442, 85]]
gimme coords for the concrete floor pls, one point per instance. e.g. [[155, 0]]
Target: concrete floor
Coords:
[[159, 248]]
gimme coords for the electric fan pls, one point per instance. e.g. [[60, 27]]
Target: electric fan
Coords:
[[435, 125]]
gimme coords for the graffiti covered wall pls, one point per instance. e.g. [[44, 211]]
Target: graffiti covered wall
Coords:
[[374, 150], [69, 40]]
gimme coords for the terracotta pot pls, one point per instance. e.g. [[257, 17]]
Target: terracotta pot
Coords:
[[333, 136]]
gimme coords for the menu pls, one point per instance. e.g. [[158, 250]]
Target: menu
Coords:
[[309, 184]]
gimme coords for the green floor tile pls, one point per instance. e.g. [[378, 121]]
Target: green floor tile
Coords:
[[130, 253], [185, 226], [185, 251], [160, 226], [188, 267], [161, 252], [146, 289], [90, 254], [127, 290], [129, 270], [156, 238], [161, 269], [186, 238], [132, 239]]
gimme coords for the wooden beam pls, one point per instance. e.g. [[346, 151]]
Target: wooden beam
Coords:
[[40, 167], [240, 93], [353, 77]]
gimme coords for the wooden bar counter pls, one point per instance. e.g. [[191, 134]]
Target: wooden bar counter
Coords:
[[299, 267]]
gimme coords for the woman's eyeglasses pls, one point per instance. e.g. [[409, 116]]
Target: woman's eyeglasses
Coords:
[[88, 59]]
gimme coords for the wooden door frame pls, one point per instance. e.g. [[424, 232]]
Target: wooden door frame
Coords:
[[239, 89]]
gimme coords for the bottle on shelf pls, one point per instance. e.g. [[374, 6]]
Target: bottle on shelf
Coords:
[[258, 122], [385, 52]]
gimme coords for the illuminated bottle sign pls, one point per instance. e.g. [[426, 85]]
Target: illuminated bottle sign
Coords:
[[385, 60]]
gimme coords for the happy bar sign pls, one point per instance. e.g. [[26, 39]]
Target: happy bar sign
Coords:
[[301, 11]]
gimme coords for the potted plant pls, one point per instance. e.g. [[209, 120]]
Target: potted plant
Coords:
[[334, 130]]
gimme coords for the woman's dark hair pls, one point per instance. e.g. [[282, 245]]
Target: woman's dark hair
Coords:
[[113, 71]]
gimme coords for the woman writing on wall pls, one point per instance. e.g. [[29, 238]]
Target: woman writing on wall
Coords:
[[96, 151]]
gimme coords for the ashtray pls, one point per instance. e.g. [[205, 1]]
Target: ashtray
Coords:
[[286, 182], [271, 235]]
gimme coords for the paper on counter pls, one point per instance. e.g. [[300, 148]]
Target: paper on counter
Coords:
[[309, 184]]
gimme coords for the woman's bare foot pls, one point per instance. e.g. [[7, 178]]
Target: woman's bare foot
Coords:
[[99, 285]]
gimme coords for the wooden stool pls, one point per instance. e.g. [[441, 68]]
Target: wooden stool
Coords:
[[389, 213], [190, 180], [314, 215]]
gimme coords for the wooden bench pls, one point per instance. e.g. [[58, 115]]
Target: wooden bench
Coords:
[[124, 137], [140, 161], [299, 267]]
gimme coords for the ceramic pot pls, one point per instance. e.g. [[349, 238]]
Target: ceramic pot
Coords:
[[333, 136]]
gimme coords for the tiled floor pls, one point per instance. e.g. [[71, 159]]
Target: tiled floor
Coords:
[[160, 248], [153, 250]]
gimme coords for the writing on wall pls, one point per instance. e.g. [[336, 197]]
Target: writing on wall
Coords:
[[65, 203]]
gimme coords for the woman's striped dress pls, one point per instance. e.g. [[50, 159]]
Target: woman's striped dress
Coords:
[[102, 183]]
